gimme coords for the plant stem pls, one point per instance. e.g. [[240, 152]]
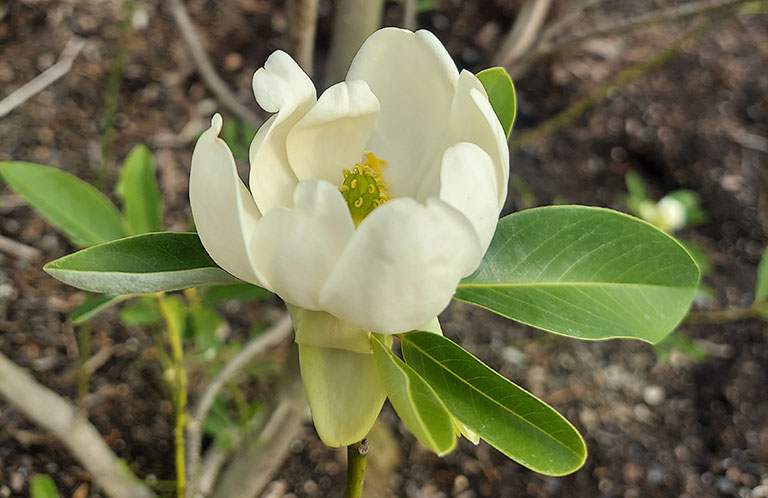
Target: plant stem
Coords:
[[180, 376], [84, 353], [357, 455], [725, 316]]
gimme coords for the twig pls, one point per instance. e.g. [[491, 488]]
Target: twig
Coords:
[[409, 15], [353, 22], [206, 69], [44, 79], [256, 347], [15, 248], [357, 456], [252, 468], [727, 316], [50, 411], [524, 32], [302, 22]]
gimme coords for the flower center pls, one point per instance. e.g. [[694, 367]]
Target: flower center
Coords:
[[363, 187]]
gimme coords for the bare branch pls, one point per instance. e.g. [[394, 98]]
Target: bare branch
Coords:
[[409, 15], [44, 79], [256, 347], [353, 22], [206, 69], [52, 412], [524, 32], [302, 23]]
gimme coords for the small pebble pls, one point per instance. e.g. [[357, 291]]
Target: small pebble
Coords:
[[653, 395]]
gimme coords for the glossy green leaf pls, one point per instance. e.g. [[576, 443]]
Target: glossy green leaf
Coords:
[[83, 213], [508, 417], [501, 92], [137, 188], [236, 292], [42, 486], [154, 262], [585, 272], [92, 306], [414, 401], [761, 291]]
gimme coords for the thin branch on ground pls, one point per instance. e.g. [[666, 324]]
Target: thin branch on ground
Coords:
[[45, 79], [256, 347], [251, 469], [16, 248], [302, 24], [206, 69], [53, 413], [524, 32]]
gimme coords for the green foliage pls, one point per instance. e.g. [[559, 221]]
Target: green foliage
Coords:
[[236, 292], [203, 323], [585, 272], [42, 486], [414, 400], [501, 92], [508, 417], [137, 188], [761, 290], [92, 306], [238, 135], [83, 213], [678, 342], [155, 262], [142, 311]]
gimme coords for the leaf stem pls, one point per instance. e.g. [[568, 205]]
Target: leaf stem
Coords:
[[180, 398], [357, 455], [757, 310]]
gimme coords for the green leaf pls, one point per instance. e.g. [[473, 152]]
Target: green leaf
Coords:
[[42, 486], [508, 417], [584, 272], [501, 92], [414, 401], [761, 291], [154, 262], [137, 188], [92, 306], [142, 311], [236, 292], [83, 213], [204, 321]]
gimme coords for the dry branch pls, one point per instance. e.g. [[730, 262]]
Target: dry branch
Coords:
[[52, 412], [302, 22], [524, 32]]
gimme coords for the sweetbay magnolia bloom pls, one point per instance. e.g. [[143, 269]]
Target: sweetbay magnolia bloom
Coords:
[[366, 207]]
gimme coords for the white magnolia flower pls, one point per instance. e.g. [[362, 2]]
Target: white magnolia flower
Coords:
[[366, 207]]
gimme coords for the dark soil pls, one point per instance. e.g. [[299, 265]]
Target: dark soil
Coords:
[[678, 429]]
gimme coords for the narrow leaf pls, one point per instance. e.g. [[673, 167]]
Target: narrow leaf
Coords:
[[138, 190], [501, 92], [92, 307], [584, 272], [42, 486], [508, 417], [83, 213], [761, 291], [414, 401], [154, 262]]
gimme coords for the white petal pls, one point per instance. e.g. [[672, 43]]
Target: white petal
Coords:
[[318, 328], [472, 120], [414, 79], [280, 86], [402, 266], [468, 183], [333, 134], [344, 391], [296, 249], [222, 208]]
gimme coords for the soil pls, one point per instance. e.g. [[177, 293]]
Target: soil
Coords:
[[682, 428]]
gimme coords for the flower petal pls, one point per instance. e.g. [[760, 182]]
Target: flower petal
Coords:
[[333, 134], [468, 183], [472, 120], [414, 79], [344, 392], [282, 87], [223, 210], [402, 266], [296, 249], [318, 328]]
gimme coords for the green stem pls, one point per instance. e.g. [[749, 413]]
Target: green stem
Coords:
[[357, 454], [180, 376], [726, 316], [84, 354]]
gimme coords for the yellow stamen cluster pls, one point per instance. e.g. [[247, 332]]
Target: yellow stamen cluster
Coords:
[[363, 187]]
